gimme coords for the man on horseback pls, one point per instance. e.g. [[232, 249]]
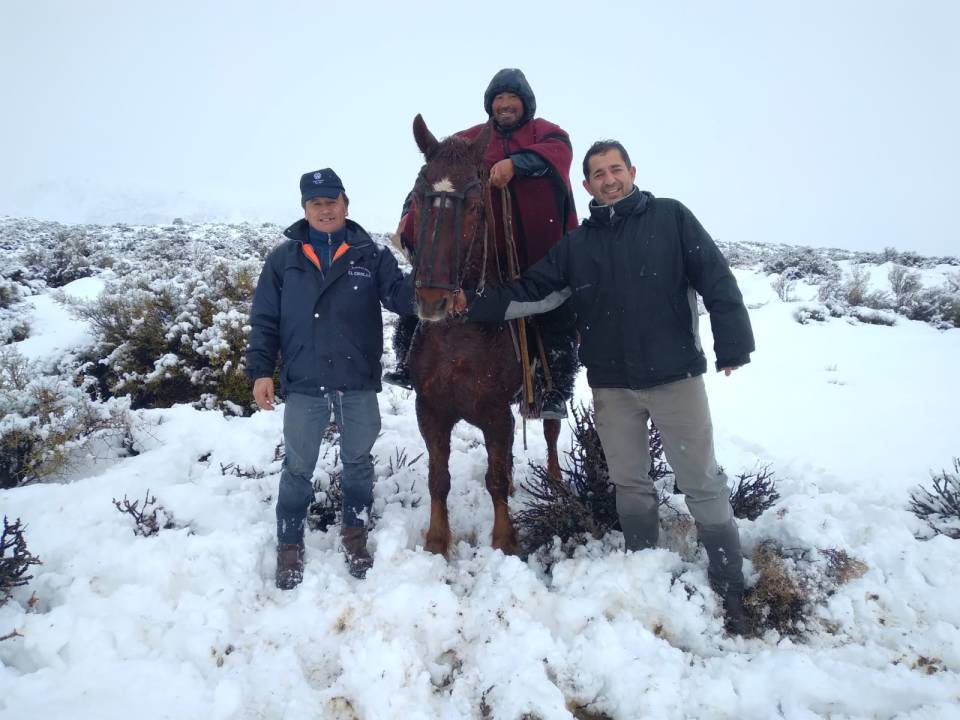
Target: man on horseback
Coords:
[[317, 303], [531, 158], [632, 272]]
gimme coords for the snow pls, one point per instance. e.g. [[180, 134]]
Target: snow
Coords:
[[189, 624], [52, 330]]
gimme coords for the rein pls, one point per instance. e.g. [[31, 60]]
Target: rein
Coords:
[[425, 254]]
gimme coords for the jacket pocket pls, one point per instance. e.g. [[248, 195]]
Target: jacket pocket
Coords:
[[291, 370]]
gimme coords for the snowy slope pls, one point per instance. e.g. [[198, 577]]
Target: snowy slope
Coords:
[[188, 624]]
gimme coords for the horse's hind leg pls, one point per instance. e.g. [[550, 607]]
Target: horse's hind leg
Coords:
[[436, 434], [551, 431], [498, 436]]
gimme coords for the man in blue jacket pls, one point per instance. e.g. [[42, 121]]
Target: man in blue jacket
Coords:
[[317, 303], [632, 272]]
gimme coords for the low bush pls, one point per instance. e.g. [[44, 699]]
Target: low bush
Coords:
[[149, 518], [164, 341], [754, 493], [784, 287], [59, 255], [793, 583], [940, 509], [802, 264], [45, 419], [811, 313], [15, 559]]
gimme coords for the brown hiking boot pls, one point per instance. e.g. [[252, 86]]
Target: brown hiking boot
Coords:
[[289, 565], [354, 540]]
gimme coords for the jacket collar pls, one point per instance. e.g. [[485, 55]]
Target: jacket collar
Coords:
[[633, 204], [356, 236]]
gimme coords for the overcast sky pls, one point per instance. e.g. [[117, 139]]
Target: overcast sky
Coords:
[[821, 123]]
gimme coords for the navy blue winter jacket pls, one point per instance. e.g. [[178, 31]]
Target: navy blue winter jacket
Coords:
[[327, 326]]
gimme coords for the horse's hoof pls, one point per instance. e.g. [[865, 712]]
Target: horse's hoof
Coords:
[[437, 547], [507, 547]]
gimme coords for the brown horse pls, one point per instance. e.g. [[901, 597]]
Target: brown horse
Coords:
[[460, 370]]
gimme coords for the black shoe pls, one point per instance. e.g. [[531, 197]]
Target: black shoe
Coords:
[[399, 377], [552, 406], [735, 616], [289, 565]]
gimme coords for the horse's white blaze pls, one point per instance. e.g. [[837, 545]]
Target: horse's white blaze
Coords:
[[443, 185]]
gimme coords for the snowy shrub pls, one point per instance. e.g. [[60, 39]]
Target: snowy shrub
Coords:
[[783, 287], [940, 509], [324, 512], [63, 255], [755, 492], [904, 283], [938, 306], [13, 326], [793, 583], [852, 298], [15, 559], [11, 292], [166, 340], [741, 255], [148, 518], [801, 263], [811, 313], [873, 317], [580, 504], [909, 258], [45, 418], [855, 287]]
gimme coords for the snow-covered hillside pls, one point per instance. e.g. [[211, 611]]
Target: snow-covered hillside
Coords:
[[852, 416]]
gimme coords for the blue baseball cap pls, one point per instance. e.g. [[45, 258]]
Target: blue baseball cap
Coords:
[[320, 183]]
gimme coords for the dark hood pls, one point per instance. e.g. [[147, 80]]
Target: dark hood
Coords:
[[511, 80]]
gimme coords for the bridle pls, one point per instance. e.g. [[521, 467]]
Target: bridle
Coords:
[[425, 253]]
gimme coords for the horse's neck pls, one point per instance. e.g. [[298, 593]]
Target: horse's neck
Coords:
[[488, 263]]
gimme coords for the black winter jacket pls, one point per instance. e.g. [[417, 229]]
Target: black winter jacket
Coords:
[[632, 271], [328, 327]]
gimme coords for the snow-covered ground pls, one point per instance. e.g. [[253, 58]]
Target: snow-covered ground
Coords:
[[189, 624]]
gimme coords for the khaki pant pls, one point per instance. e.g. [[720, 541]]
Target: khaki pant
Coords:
[[681, 413]]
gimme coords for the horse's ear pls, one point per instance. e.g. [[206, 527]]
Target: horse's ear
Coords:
[[425, 139], [479, 145]]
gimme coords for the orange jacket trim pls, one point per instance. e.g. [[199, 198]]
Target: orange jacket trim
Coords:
[[312, 254]]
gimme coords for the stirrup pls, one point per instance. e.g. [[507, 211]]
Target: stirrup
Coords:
[[552, 406]]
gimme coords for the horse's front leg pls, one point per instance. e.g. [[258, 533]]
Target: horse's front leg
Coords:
[[551, 431], [498, 436], [436, 434]]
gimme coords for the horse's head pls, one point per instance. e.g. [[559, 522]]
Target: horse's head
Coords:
[[449, 218]]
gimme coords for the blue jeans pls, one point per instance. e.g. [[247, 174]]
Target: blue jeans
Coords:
[[305, 420]]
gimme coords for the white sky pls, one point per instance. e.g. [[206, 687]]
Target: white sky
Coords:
[[823, 123]]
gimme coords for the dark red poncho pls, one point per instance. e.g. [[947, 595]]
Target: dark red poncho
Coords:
[[542, 206]]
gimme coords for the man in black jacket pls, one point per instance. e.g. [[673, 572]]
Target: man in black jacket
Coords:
[[317, 303], [632, 272]]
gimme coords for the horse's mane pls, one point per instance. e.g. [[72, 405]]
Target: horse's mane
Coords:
[[453, 150]]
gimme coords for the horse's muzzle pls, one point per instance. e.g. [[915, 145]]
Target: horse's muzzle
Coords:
[[434, 304]]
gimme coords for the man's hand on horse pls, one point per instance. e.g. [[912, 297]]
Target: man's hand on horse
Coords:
[[727, 370], [501, 173], [459, 302], [263, 393]]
